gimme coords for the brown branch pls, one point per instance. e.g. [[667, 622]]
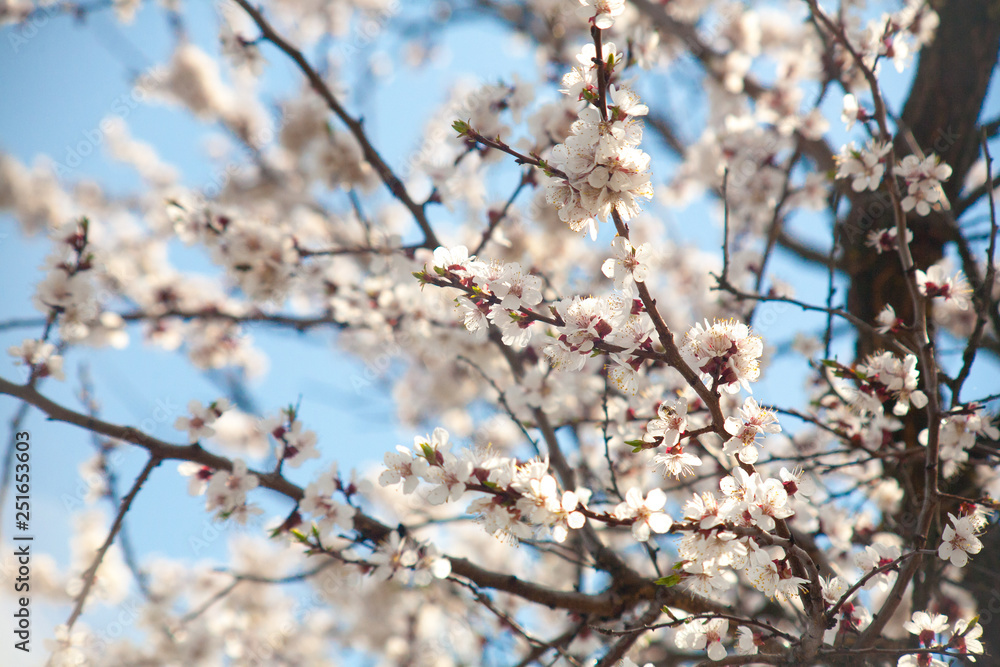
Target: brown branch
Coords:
[[519, 158], [983, 299], [496, 218], [508, 621], [621, 596], [925, 349], [627, 641], [90, 576], [354, 125]]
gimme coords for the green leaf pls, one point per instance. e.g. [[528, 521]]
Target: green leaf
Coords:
[[669, 581], [637, 445], [461, 127]]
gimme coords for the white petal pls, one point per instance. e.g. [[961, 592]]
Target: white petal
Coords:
[[716, 651], [656, 500], [660, 522]]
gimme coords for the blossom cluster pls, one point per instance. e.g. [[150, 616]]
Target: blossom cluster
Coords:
[[588, 321], [405, 561], [964, 639], [885, 36], [520, 501], [726, 352], [864, 166], [199, 424], [499, 293], [505, 296], [69, 289], [667, 429], [853, 616], [882, 377], [600, 166], [748, 501], [39, 357], [260, 258], [753, 420], [957, 435], [295, 446], [224, 490], [319, 502], [923, 179]]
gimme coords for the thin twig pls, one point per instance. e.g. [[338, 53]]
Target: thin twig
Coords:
[[502, 399], [354, 125], [90, 576], [984, 299]]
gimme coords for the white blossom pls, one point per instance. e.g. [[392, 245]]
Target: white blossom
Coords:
[[647, 513], [958, 541], [699, 634]]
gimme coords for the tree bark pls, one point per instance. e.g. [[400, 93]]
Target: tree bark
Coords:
[[941, 115]]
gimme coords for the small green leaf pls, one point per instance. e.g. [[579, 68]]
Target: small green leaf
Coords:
[[637, 445], [461, 127], [668, 581]]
